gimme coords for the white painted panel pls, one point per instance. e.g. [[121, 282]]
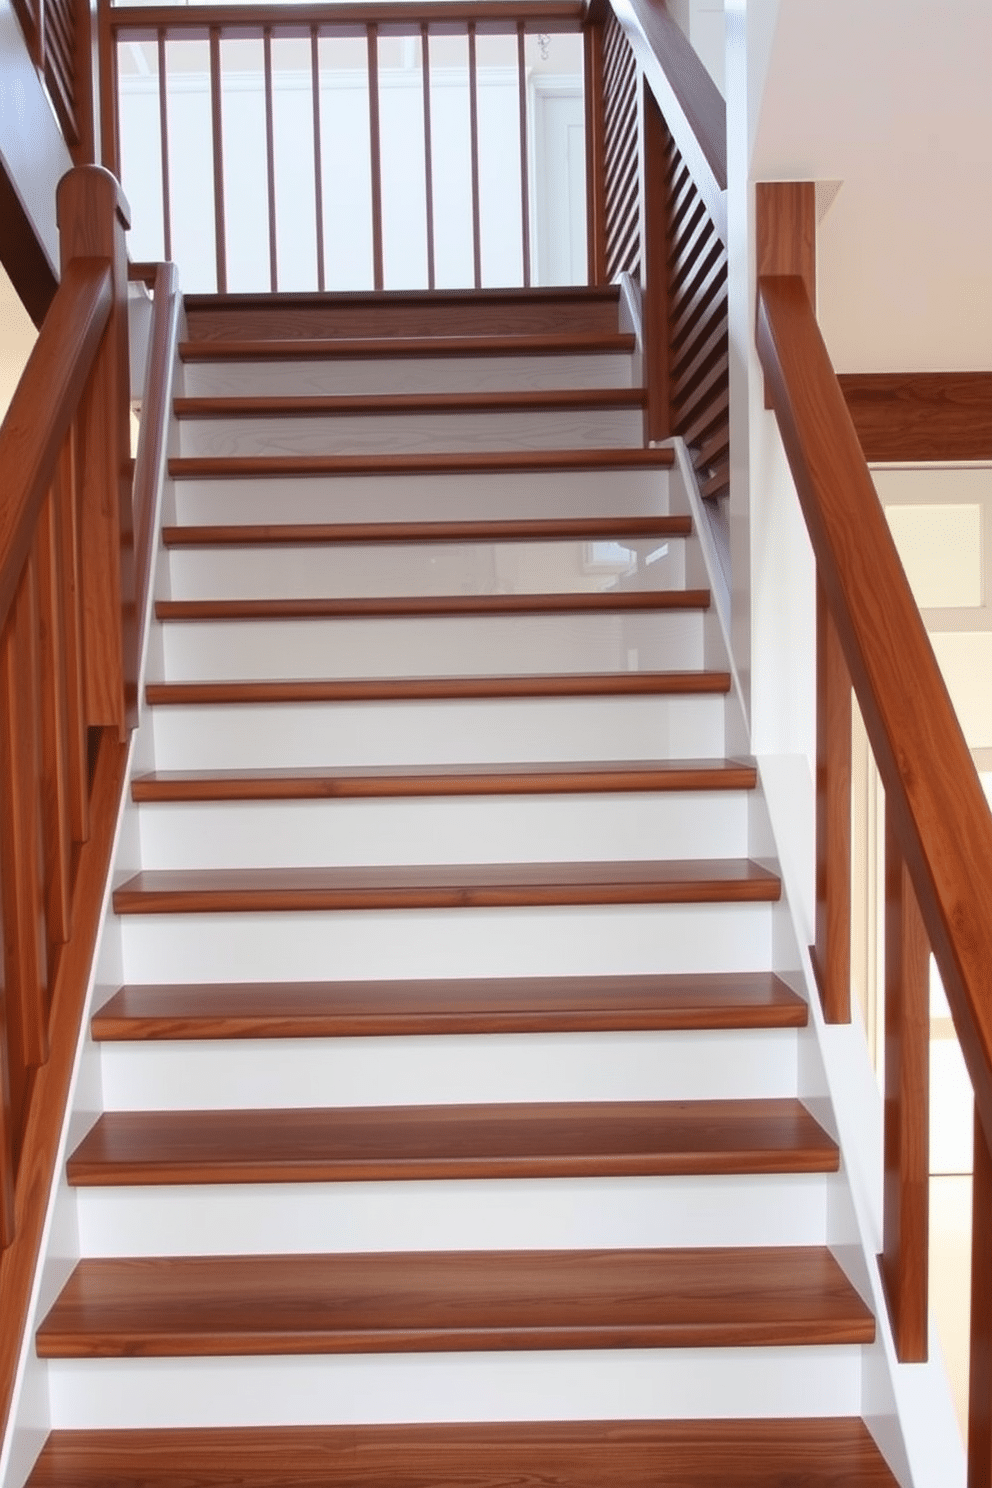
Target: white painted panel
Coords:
[[965, 660], [502, 1214], [633, 1384], [507, 829], [941, 551], [445, 1069], [425, 943]]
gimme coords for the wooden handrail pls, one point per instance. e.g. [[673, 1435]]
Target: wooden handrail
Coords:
[[44, 406], [149, 466], [241, 20], [939, 813]]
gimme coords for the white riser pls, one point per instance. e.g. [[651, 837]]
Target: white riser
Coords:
[[449, 1069], [500, 1214], [284, 834], [387, 498], [379, 433], [406, 375], [569, 941], [628, 1384], [248, 737], [453, 646], [478, 568]]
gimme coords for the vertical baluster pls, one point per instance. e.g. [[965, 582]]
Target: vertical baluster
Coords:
[[270, 158], [217, 132], [425, 55], [524, 147], [595, 152], [473, 114], [66, 495], [163, 134], [907, 1106], [54, 764], [318, 170], [25, 967], [980, 1377], [832, 951], [110, 126], [654, 144], [375, 161]]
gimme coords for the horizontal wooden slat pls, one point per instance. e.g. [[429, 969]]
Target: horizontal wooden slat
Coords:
[[518, 1005], [380, 689], [448, 886], [470, 462], [519, 1140], [455, 1300], [524, 529], [331, 348], [604, 602], [537, 15], [359, 782], [820, 1453], [530, 401], [921, 415]]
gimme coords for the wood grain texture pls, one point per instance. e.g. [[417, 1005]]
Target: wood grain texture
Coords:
[[394, 1302], [921, 415], [360, 782], [537, 15], [980, 1352], [42, 1134], [336, 348], [401, 606], [53, 685], [831, 953], [906, 1239], [448, 886], [785, 228], [538, 400], [468, 462], [940, 815], [409, 689], [655, 225], [525, 529], [522, 1140], [517, 1005], [781, 1453]]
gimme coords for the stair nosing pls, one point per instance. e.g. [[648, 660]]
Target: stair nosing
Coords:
[[508, 530], [433, 606]]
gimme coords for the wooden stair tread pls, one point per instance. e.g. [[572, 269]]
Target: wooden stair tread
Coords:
[[445, 780], [517, 1005], [462, 462], [519, 1140], [832, 1452], [405, 606], [525, 529], [530, 400], [570, 343], [396, 689], [445, 886], [453, 1300]]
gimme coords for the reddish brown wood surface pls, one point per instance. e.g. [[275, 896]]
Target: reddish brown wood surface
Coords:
[[524, 529], [779, 1453], [43, 1131], [55, 807], [152, 435], [517, 1005], [832, 949], [318, 169], [398, 606], [473, 135], [448, 886], [163, 127], [270, 157], [455, 1300], [537, 15], [375, 161], [980, 1353], [522, 1140], [409, 689], [906, 1250], [217, 141], [595, 146], [530, 401], [445, 780], [469, 462], [621, 219], [330, 348], [921, 415], [76, 736], [940, 815], [524, 158]]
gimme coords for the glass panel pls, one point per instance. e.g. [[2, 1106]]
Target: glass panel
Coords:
[[451, 162], [191, 163], [292, 118], [141, 147], [499, 160], [345, 169], [404, 187], [245, 199]]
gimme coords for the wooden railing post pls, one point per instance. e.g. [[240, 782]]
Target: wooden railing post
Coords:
[[595, 145], [93, 216], [832, 947], [980, 1374], [655, 145], [907, 1107]]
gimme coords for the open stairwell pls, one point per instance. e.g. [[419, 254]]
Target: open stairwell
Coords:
[[460, 1119]]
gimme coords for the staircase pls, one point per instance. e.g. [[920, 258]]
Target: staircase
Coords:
[[451, 1049]]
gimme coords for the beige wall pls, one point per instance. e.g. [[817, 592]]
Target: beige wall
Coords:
[[17, 337]]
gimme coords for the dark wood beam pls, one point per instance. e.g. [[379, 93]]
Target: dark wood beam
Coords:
[[921, 415]]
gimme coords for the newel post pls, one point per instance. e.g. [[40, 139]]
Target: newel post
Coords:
[[93, 216]]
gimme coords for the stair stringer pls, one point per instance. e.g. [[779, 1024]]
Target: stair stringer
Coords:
[[907, 1407]]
